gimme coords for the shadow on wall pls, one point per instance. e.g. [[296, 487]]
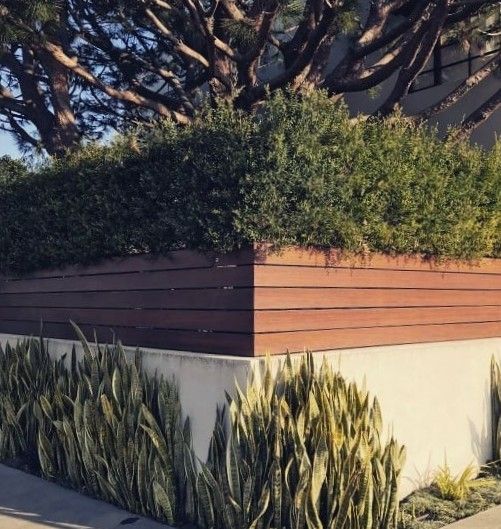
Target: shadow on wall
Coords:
[[480, 439]]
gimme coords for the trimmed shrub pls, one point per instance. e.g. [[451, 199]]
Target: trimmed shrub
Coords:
[[300, 172]]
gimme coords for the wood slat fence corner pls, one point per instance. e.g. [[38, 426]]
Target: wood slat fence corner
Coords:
[[258, 301]]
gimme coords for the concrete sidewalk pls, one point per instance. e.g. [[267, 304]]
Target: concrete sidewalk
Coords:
[[28, 502], [490, 519]]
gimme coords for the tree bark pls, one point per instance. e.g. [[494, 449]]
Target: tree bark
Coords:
[[417, 57], [470, 82], [159, 58], [66, 134], [479, 116]]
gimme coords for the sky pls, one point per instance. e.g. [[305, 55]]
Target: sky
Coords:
[[8, 146]]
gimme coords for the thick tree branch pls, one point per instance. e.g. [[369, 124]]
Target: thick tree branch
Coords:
[[8, 101], [128, 96], [301, 62], [379, 14], [470, 82], [479, 116], [178, 45], [67, 133], [417, 57], [21, 132], [105, 64], [372, 76], [124, 59], [371, 46]]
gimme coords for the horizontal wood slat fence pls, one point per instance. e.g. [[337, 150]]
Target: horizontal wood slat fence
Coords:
[[256, 302]]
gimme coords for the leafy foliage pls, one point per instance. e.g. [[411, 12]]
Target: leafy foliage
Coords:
[[495, 410], [304, 450], [451, 487], [99, 425], [301, 172]]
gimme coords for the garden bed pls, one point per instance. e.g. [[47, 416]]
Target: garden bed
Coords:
[[426, 509]]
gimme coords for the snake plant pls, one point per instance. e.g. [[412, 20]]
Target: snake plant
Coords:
[[97, 424], [304, 450], [301, 448], [495, 409], [26, 373]]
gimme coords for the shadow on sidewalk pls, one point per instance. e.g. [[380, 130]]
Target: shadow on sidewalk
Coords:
[[28, 502]]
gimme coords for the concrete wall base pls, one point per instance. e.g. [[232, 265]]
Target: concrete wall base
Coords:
[[434, 396]]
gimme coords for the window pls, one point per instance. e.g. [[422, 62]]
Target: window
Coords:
[[451, 62]]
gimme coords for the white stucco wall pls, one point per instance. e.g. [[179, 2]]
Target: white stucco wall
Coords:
[[416, 102], [435, 396]]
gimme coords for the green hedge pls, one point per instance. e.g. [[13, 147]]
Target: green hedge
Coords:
[[300, 172]]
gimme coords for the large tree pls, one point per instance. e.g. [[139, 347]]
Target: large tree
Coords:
[[73, 68]]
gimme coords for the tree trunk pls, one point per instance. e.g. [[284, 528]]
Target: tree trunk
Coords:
[[66, 134]]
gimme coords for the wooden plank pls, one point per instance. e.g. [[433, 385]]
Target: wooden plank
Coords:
[[296, 320], [182, 259], [264, 276], [265, 298], [162, 279], [199, 299], [233, 344], [175, 260], [301, 276], [335, 258], [197, 320], [276, 343], [316, 298]]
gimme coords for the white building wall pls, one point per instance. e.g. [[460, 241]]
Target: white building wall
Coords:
[[416, 102]]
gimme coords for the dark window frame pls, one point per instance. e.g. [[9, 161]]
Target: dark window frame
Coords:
[[438, 67]]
